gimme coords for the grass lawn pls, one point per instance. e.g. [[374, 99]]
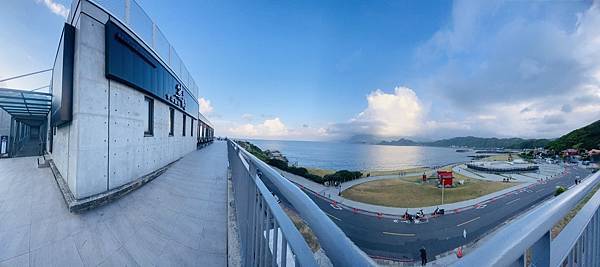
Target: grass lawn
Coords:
[[408, 192]]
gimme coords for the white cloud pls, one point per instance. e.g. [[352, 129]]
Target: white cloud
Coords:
[[56, 8], [526, 69], [205, 106], [400, 113], [272, 128], [268, 128]]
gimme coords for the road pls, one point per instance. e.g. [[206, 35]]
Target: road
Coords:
[[385, 238]]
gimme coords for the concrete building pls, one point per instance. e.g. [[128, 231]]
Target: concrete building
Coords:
[[123, 104]]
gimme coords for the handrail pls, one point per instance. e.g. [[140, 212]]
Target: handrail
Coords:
[[337, 246], [563, 244], [263, 218], [509, 243]]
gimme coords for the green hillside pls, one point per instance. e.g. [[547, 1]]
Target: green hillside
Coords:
[[474, 142], [479, 142], [587, 137]]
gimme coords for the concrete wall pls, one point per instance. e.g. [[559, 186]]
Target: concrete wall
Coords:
[[104, 145]]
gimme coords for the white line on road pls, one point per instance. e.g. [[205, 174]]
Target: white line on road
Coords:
[[510, 202], [540, 190], [398, 234], [333, 217], [471, 220]]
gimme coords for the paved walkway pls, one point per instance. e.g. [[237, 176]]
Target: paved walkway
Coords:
[[546, 171], [178, 219]]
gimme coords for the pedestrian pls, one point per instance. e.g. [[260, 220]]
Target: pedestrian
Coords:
[[423, 253]]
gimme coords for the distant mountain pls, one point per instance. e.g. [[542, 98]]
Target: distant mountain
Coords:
[[474, 142], [587, 137], [493, 142], [399, 142], [363, 139]]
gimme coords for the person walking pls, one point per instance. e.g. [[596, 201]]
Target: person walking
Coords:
[[423, 253]]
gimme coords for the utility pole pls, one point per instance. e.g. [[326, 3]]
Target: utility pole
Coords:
[[443, 193]]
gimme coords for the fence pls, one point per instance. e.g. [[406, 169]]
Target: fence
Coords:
[[262, 221], [528, 238]]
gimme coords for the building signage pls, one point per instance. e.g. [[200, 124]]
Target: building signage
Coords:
[[177, 99], [128, 62], [62, 78]]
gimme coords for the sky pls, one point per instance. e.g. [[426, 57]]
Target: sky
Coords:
[[328, 70]]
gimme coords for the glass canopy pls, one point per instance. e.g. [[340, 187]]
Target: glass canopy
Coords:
[[25, 104]]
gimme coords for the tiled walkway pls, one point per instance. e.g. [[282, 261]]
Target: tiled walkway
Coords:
[[178, 219]]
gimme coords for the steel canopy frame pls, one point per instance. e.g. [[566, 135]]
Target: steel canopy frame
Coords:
[[25, 104]]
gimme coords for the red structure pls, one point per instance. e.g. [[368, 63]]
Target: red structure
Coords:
[[446, 178]]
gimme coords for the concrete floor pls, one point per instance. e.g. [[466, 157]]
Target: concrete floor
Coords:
[[178, 219]]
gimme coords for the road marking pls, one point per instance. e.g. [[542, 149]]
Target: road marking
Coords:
[[510, 202], [398, 234], [539, 190], [333, 217], [471, 220]]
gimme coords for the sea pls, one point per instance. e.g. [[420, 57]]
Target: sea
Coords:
[[361, 157]]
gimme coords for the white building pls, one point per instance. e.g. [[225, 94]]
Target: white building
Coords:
[[123, 103]]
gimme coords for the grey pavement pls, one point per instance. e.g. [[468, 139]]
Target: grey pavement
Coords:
[[178, 219], [546, 171]]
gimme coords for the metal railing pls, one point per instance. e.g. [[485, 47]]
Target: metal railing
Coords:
[[267, 235], [527, 240]]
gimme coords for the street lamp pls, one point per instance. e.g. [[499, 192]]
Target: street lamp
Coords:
[[442, 192]]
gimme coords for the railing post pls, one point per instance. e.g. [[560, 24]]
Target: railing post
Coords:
[[596, 235], [588, 244], [265, 260], [541, 251], [275, 244]]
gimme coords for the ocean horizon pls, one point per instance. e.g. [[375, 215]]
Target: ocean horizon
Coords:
[[337, 155]]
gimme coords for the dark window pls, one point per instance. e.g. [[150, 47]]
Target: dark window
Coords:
[[192, 127], [149, 117], [171, 121], [183, 131]]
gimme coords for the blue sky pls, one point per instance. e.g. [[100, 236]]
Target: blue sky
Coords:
[[318, 70]]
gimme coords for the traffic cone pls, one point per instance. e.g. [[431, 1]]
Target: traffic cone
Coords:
[[459, 252]]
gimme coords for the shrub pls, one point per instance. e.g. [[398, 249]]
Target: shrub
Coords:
[[342, 176], [559, 190], [280, 164], [339, 176]]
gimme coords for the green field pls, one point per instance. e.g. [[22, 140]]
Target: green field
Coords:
[[409, 192]]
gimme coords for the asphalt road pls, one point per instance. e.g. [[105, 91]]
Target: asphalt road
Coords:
[[383, 237]]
